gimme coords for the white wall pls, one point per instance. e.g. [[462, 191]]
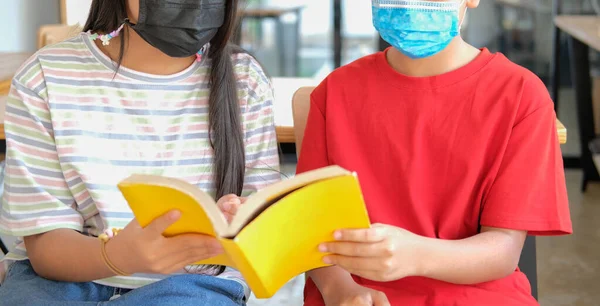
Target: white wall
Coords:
[[20, 21], [77, 11], [317, 16], [481, 24]]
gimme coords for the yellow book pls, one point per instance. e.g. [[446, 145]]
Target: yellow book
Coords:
[[275, 234]]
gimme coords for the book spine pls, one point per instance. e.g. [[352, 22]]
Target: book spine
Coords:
[[236, 254]]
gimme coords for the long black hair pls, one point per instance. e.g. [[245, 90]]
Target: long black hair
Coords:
[[225, 131], [226, 136]]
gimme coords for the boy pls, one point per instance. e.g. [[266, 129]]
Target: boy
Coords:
[[458, 156]]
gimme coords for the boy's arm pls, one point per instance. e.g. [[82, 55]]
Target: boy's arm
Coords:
[[493, 254], [328, 278], [388, 253]]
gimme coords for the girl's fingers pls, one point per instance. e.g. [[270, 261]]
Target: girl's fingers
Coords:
[[234, 206], [160, 225], [230, 205]]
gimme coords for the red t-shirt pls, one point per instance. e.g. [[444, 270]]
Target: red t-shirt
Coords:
[[441, 156]]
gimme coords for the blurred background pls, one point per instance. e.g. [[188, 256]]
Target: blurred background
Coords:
[[299, 42]]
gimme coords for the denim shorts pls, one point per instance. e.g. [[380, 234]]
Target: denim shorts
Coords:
[[23, 287]]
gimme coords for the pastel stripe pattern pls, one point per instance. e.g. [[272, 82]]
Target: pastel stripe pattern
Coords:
[[75, 128]]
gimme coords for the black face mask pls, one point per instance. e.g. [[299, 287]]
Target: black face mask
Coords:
[[179, 28]]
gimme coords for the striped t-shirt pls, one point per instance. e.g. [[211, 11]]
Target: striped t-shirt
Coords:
[[75, 127]]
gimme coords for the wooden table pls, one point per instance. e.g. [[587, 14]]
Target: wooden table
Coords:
[[583, 33], [530, 5], [269, 12], [9, 63]]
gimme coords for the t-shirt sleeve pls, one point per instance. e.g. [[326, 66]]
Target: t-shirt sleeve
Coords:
[[262, 155], [529, 192], [313, 154], [36, 197]]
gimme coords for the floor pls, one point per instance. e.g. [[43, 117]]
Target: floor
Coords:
[[569, 266]]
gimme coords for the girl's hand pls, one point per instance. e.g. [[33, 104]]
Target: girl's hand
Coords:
[[229, 205], [146, 250], [382, 253], [354, 295]]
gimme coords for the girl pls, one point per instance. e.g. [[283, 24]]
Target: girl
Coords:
[[151, 87], [458, 156]]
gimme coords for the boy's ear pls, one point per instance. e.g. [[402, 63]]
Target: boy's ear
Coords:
[[472, 4]]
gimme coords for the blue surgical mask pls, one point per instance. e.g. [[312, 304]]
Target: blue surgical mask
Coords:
[[418, 29]]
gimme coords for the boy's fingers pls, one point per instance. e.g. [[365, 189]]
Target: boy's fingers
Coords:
[[380, 299], [374, 234], [353, 249]]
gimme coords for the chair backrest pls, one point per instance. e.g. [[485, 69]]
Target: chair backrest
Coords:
[[55, 33], [300, 109]]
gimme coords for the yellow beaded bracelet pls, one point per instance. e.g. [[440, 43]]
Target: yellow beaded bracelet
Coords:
[[104, 238]]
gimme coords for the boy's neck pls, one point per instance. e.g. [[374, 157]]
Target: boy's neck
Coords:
[[456, 55], [141, 56]]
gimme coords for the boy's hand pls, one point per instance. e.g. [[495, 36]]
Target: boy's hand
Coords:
[[382, 253], [229, 205], [354, 295]]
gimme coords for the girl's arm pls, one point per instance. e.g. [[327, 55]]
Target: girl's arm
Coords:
[[39, 205], [66, 255]]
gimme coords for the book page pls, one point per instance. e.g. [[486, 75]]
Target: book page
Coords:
[[261, 200], [145, 184]]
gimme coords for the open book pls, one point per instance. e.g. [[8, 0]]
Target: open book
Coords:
[[275, 234]]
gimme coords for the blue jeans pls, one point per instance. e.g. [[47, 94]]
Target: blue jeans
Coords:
[[24, 287]]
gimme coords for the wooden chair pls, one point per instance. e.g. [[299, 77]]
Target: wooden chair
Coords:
[[300, 108], [55, 33], [528, 261]]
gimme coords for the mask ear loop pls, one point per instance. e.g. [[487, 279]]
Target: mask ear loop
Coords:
[[464, 16], [201, 53], [105, 38]]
